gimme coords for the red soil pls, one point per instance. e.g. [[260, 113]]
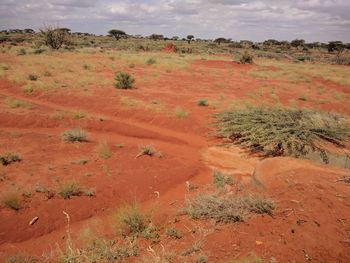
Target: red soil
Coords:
[[312, 218]]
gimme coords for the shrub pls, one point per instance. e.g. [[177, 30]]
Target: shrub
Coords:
[[9, 158], [276, 131], [226, 209], [203, 103], [131, 219], [124, 80], [76, 135], [246, 58], [68, 189], [173, 232], [151, 61], [221, 179], [39, 51], [54, 37], [32, 77]]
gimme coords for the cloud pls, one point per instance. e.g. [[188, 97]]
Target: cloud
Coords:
[[312, 20]]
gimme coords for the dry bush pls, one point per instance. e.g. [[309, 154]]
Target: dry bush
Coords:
[[227, 209], [76, 135], [276, 131], [54, 37]]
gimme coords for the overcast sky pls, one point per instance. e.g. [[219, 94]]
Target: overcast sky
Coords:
[[312, 20]]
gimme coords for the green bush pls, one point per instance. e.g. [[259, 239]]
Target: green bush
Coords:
[[124, 80], [151, 61]]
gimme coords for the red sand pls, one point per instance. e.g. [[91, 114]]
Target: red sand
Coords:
[[312, 218]]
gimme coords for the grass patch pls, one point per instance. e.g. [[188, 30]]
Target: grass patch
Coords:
[[14, 103], [226, 209], [20, 258], [33, 77], [131, 219], [9, 158], [276, 131], [173, 233], [181, 113], [69, 189], [76, 135], [203, 103], [103, 150], [124, 80], [221, 179], [148, 150], [151, 61]]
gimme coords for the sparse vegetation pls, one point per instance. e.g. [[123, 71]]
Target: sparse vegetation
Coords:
[[76, 135], [226, 209], [20, 258], [68, 189], [124, 80], [181, 113], [221, 179], [54, 37], [148, 150], [277, 131], [173, 233], [103, 150], [14, 103], [9, 158], [151, 61], [131, 219]]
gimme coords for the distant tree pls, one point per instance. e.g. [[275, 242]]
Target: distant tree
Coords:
[[156, 37], [29, 31], [337, 46], [297, 43], [220, 40], [189, 38], [175, 38], [54, 37], [116, 33]]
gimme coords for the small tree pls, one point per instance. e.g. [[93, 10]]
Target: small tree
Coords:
[[156, 37], [189, 38], [298, 43], [116, 33], [220, 40], [54, 37], [335, 46]]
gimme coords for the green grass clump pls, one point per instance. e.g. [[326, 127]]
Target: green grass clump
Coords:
[[276, 131], [203, 102], [69, 189], [221, 179], [76, 135], [9, 158], [124, 80], [226, 209]]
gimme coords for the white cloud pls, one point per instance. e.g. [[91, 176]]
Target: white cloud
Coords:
[[237, 19]]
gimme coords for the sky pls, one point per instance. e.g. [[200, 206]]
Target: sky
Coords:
[[257, 20]]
